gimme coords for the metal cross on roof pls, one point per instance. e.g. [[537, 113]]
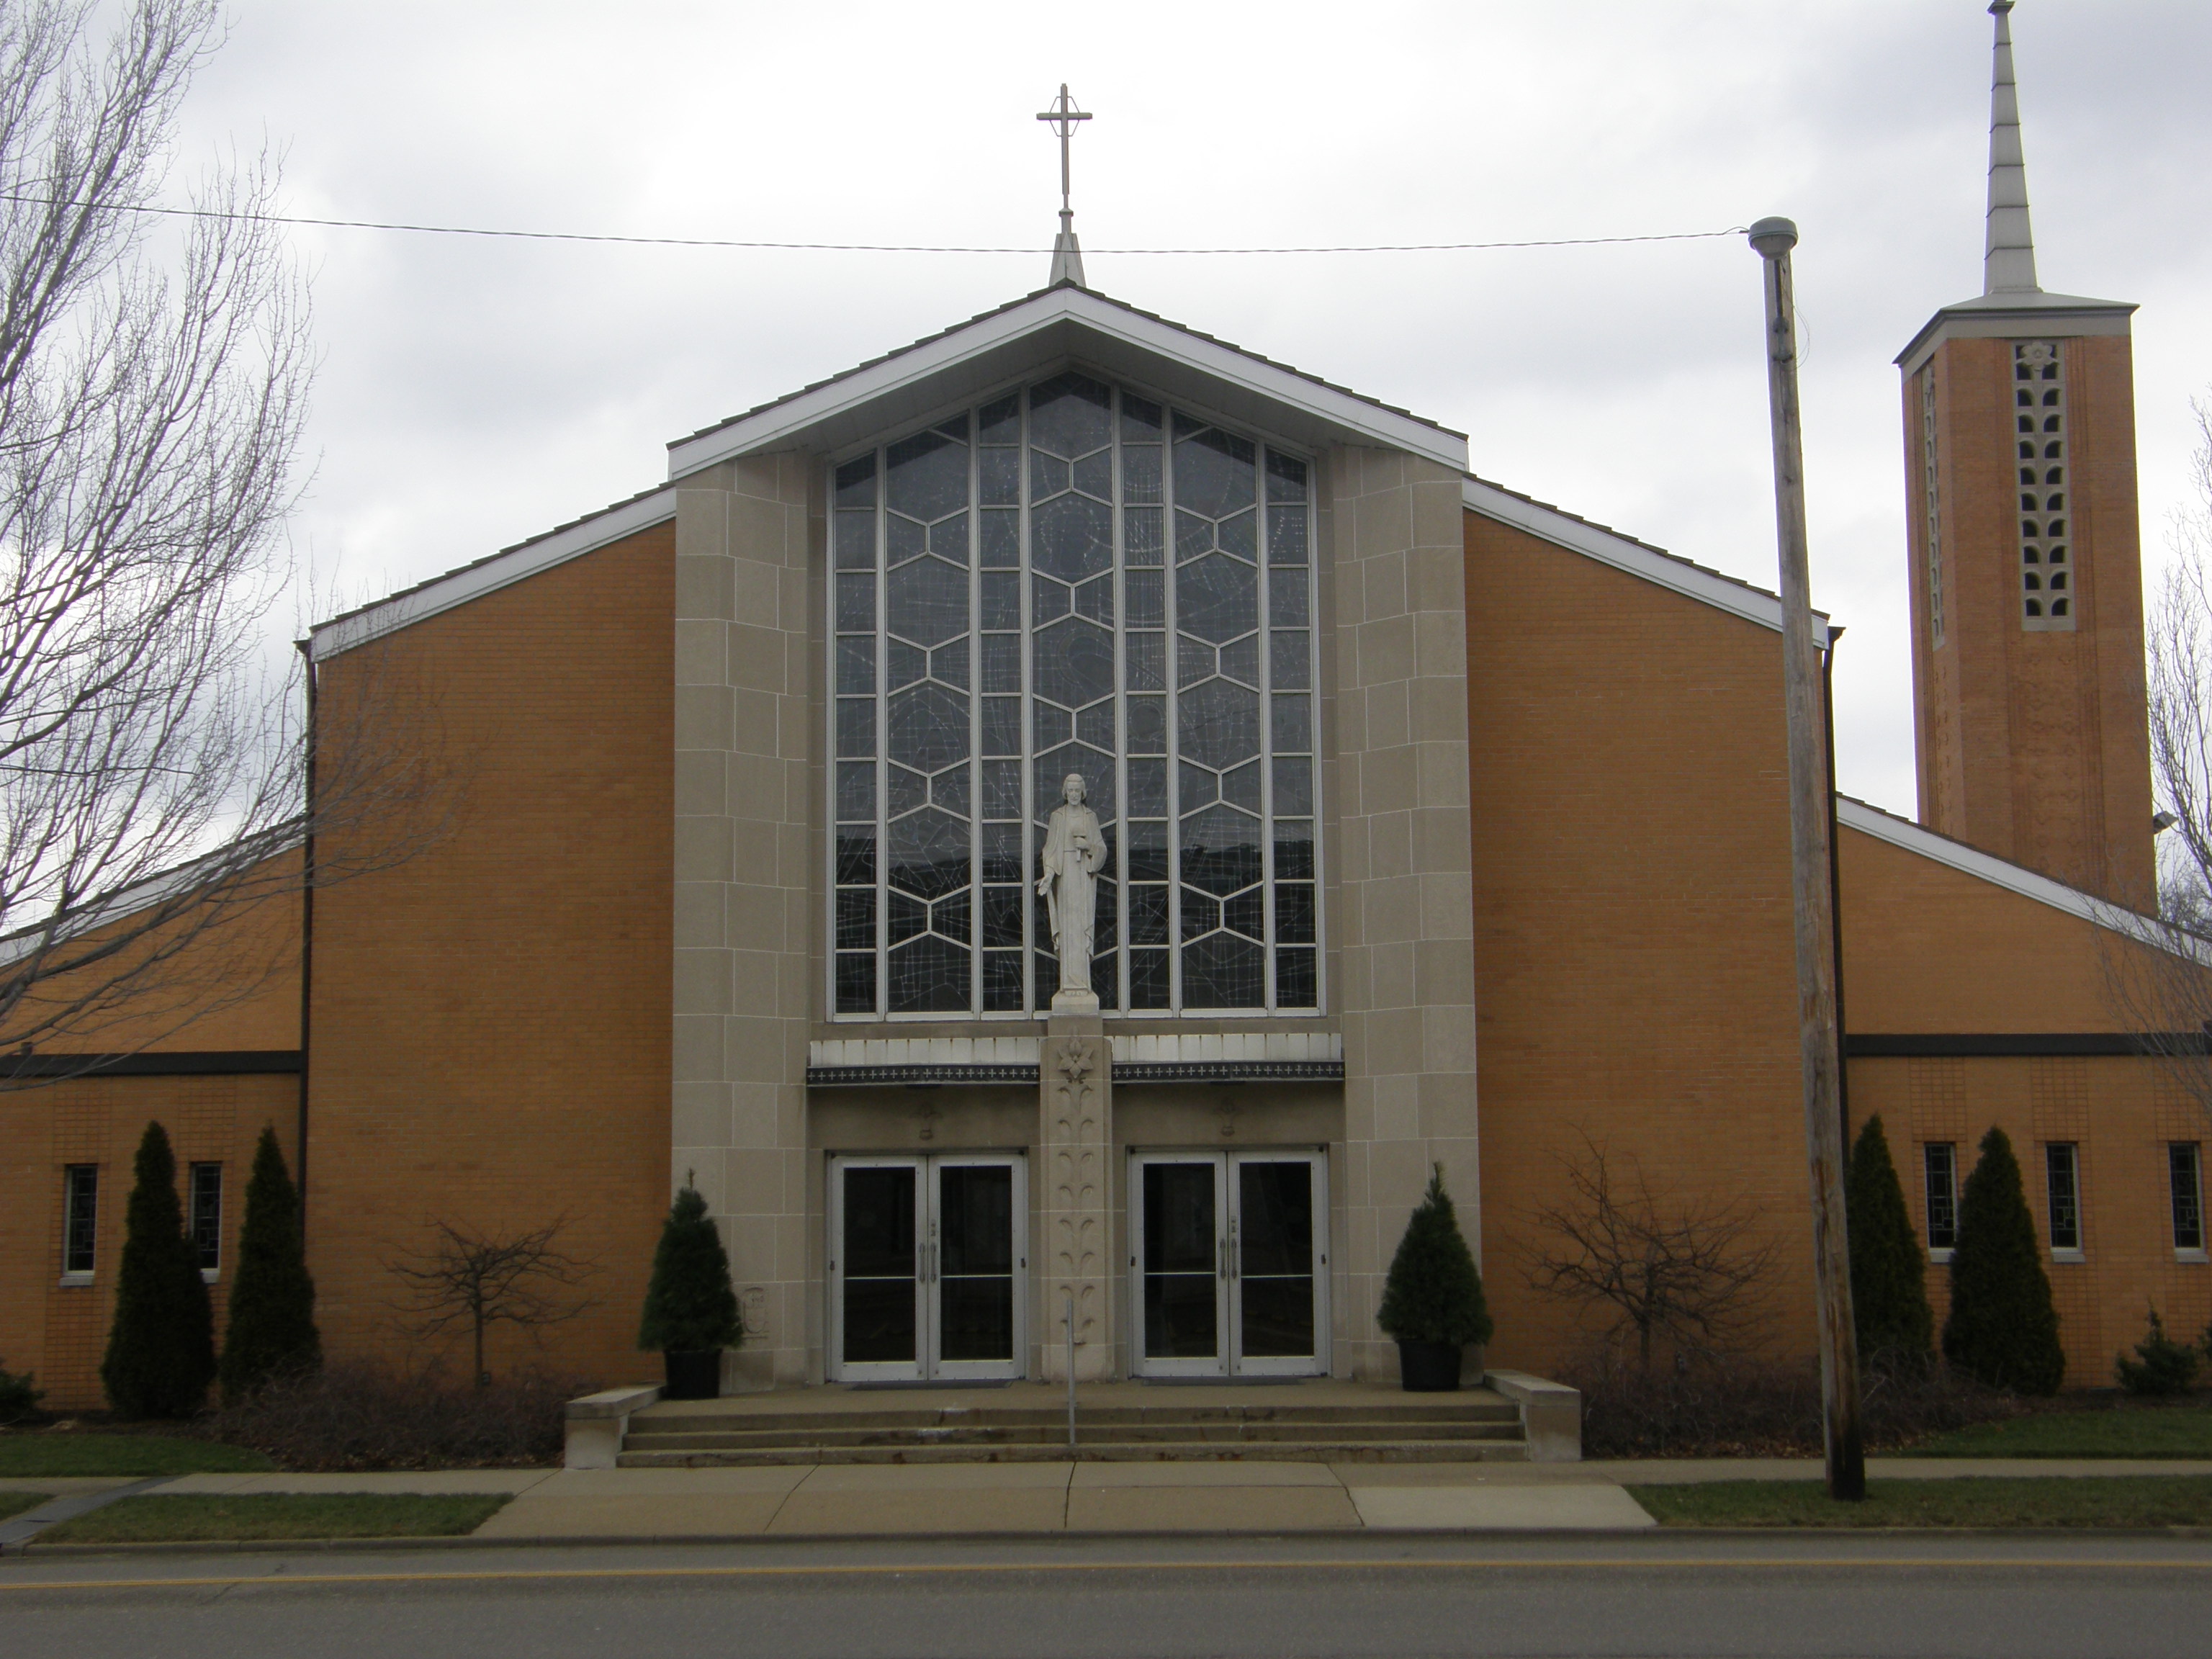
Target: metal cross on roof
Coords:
[[1066, 256], [1063, 115]]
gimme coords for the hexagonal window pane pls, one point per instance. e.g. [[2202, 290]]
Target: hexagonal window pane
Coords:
[[928, 854], [1214, 473], [1071, 536], [1073, 663], [1217, 598], [928, 727], [1218, 723], [926, 476], [1070, 415], [1221, 850], [927, 601]]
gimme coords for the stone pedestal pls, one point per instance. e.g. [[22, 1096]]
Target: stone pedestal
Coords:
[[1075, 1138]]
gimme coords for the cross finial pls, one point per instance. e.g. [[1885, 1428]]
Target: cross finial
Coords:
[[1066, 256]]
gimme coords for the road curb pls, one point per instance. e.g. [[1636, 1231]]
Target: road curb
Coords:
[[614, 1540]]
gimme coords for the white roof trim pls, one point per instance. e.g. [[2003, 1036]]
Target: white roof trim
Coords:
[[502, 569], [1594, 541], [1987, 866], [780, 425]]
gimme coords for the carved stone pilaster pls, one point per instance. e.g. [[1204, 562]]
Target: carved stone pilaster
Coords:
[[1075, 1138]]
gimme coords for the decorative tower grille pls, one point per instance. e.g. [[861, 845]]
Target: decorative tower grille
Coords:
[[1932, 491], [2039, 408]]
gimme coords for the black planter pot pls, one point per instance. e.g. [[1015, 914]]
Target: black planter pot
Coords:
[[1425, 1367], [693, 1375]]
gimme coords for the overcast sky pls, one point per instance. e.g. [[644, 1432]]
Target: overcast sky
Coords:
[[475, 392]]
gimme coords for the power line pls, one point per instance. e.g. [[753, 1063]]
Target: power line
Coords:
[[863, 248]]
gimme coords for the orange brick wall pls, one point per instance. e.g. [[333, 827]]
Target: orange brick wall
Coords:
[[2032, 745], [490, 1027], [59, 1331], [1930, 949], [1634, 955]]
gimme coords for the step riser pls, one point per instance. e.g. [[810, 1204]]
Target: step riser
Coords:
[[1197, 1435], [1415, 1418], [1488, 1451]]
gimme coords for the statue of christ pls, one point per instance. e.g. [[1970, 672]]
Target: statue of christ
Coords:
[[1074, 848]]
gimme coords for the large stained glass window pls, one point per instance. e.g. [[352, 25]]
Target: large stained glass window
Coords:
[[1074, 578]]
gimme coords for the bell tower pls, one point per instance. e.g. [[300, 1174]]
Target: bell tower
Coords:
[[2026, 580]]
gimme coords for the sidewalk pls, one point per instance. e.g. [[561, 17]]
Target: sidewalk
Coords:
[[1033, 1499]]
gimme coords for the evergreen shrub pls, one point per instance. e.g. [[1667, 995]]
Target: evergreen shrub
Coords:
[[689, 1305], [1889, 1270], [1434, 1292], [272, 1331], [2162, 1365], [2003, 1330], [161, 1349], [18, 1398]]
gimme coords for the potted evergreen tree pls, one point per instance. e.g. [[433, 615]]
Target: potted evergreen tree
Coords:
[[1433, 1301], [690, 1307], [161, 1350]]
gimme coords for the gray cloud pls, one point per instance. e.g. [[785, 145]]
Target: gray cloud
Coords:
[[476, 393]]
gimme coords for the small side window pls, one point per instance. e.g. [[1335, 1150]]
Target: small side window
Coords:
[[1940, 1159], [2061, 1168], [207, 1215], [80, 1218], [2185, 1167]]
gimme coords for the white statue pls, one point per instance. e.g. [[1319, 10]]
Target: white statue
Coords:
[[1075, 849]]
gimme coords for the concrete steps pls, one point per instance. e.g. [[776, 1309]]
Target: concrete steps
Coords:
[[1476, 1427]]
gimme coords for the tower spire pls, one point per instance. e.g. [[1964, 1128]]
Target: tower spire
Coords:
[[2009, 256], [1066, 255]]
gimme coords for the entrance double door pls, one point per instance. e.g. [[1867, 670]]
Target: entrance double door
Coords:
[[928, 1265], [1229, 1263]]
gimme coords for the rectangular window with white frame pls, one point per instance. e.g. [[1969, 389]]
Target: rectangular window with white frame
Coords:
[[1939, 1162], [2184, 1163], [206, 1218], [80, 1220], [2062, 1169]]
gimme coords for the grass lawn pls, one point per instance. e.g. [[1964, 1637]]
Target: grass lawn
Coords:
[[42, 1453], [2118, 1431], [179, 1517], [2126, 1500], [15, 1503]]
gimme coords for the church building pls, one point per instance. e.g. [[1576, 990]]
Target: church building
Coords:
[[1073, 820]]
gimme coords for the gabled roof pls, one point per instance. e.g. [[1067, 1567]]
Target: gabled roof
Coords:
[[1066, 322], [1625, 552], [1903, 832]]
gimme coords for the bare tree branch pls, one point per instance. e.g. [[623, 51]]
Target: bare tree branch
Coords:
[[1688, 1274], [465, 1279], [153, 392]]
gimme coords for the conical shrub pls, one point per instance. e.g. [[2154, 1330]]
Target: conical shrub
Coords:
[[2003, 1329], [161, 1349], [272, 1331], [1889, 1270], [690, 1305], [1434, 1292]]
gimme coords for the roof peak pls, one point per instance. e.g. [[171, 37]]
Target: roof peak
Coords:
[[2008, 253]]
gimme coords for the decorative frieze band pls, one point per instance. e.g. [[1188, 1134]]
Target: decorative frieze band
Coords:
[[1183, 1057]]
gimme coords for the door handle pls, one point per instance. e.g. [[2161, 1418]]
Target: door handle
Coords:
[[1221, 1258]]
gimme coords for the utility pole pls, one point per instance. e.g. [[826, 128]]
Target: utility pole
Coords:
[[1810, 803]]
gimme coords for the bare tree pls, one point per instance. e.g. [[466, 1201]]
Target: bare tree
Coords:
[[465, 1279], [1687, 1273], [2157, 968], [153, 374]]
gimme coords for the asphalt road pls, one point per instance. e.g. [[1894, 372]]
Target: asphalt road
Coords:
[[2013, 1598]]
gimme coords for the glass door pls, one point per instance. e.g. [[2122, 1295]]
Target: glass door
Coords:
[[927, 1261], [1229, 1271]]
